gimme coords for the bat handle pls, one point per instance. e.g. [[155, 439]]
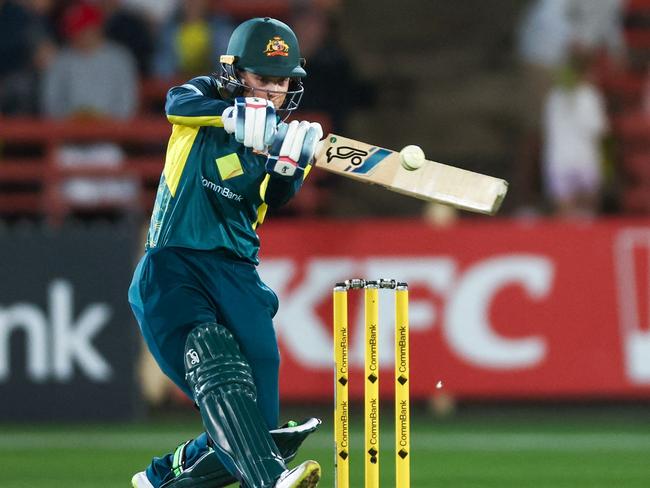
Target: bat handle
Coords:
[[320, 147]]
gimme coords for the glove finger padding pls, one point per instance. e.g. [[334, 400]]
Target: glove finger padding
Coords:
[[228, 119], [293, 148], [240, 119], [252, 120], [314, 134], [271, 125], [274, 150]]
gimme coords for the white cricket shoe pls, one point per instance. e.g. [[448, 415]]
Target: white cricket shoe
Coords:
[[306, 475], [140, 480]]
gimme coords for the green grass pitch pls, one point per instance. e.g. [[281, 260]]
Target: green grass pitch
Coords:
[[602, 452]]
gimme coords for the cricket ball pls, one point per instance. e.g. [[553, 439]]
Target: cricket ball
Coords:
[[412, 157]]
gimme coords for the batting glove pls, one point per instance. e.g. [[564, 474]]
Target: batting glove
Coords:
[[293, 149], [252, 120]]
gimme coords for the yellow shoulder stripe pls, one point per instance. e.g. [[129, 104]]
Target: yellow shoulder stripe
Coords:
[[204, 120], [178, 150]]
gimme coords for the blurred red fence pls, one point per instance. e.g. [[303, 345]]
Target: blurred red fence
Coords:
[[32, 175]]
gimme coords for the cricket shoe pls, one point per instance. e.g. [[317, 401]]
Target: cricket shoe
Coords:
[[306, 475], [140, 480]]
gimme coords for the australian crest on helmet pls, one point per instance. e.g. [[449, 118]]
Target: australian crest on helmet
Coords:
[[277, 47]]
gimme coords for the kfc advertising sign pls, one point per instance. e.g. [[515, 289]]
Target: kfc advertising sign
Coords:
[[497, 308]]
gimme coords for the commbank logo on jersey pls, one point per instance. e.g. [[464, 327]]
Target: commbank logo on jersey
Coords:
[[221, 190], [361, 161], [277, 47]]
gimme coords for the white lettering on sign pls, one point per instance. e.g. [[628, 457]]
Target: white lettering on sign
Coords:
[[467, 326], [462, 309], [631, 253], [53, 347]]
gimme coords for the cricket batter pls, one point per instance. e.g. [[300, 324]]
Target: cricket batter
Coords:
[[203, 311]]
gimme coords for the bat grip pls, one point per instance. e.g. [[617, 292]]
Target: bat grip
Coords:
[[320, 146]]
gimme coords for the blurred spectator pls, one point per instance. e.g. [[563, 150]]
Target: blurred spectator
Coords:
[[127, 27], [550, 28], [574, 124], [192, 41], [543, 34], [92, 77], [597, 26], [549, 31], [332, 85], [157, 12], [26, 48]]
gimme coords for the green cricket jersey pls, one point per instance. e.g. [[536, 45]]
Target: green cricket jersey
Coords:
[[213, 191]]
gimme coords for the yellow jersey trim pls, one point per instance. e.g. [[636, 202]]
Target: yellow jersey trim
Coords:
[[178, 150], [262, 209], [204, 120]]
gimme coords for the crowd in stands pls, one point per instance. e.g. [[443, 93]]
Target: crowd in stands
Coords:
[[93, 59], [61, 58], [562, 43], [580, 154]]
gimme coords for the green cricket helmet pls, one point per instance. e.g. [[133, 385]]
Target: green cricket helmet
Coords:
[[266, 47]]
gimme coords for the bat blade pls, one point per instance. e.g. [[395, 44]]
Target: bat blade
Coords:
[[434, 182]]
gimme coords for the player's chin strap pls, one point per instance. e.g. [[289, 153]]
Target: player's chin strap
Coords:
[[209, 472], [231, 87]]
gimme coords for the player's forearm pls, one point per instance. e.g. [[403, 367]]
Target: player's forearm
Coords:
[[186, 105], [279, 191]]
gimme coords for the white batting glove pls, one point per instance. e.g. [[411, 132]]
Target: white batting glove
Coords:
[[252, 120], [293, 149]]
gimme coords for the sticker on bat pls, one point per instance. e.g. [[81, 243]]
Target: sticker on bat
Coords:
[[344, 152], [377, 156]]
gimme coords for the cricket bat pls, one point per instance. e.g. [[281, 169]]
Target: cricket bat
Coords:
[[435, 182]]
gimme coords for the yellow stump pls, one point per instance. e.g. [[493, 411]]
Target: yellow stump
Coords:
[[371, 390], [402, 407], [341, 406]]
